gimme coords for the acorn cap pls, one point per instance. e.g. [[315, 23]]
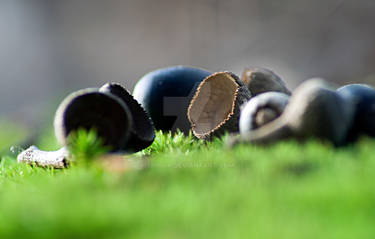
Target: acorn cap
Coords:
[[262, 109], [215, 107], [260, 80], [363, 97], [90, 109], [314, 110], [317, 110], [142, 132]]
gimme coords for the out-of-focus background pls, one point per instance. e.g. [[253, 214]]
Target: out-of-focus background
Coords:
[[51, 47]]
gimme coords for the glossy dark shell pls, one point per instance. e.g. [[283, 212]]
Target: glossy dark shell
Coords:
[[142, 132], [90, 109], [363, 97], [165, 94]]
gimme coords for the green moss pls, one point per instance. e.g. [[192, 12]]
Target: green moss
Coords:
[[193, 189]]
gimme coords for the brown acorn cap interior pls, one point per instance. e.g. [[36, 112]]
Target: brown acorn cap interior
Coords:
[[213, 102]]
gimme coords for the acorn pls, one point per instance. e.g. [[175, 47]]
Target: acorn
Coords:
[[142, 132], [215, 107], [91, 109], [262, 109], [260, 80], [363, 97], [314, 110], [165, 94]]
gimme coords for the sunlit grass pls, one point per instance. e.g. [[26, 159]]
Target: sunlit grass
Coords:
[[196, 189], [86, 146]]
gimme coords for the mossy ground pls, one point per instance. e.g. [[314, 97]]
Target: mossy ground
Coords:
[[193, 189]]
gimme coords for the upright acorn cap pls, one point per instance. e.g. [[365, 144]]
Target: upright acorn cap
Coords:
[[90, 109], [215, 107], [261, 80], [142, 131]]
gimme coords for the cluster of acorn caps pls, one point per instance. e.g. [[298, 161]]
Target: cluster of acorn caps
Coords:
[[258, 108]]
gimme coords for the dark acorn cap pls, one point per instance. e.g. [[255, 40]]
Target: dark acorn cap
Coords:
[[215, 107], [90, 109], [315, 109], [142, 133], [260, 80], [363, 97]]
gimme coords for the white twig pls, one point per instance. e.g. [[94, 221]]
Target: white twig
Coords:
[[35, 156]]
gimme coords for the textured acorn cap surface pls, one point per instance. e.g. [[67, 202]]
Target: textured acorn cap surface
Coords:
[[260, 80], [215, 107], [142, 132], [90, 109]]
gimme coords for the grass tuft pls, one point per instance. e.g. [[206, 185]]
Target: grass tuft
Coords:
[[173, 143], [85, 145]]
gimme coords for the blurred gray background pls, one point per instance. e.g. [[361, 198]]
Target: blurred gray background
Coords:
[[51, 47]]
